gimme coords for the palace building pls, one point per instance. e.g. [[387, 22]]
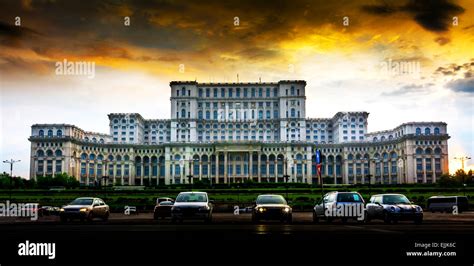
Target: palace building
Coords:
[[234, 132]]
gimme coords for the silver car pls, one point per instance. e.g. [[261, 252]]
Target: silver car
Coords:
[[192, 206], [85, 209]]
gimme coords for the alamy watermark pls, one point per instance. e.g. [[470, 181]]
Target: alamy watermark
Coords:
[[349, 210], [400, 68], [75, 68], [9, 209]]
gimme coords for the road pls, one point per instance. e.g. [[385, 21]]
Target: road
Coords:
[[234, 239]]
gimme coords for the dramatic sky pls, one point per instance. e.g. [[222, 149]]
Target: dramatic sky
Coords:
[[344, 64]]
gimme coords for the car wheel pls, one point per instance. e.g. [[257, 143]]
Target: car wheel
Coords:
[[63, 219], [366, 218], [106, 216], [418, 220], [315, 218], [173, 220], [290, 219], [155, 216], [254, 219], [386, 218], [90, 217]]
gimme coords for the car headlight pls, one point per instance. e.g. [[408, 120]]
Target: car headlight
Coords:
[[61, 210], [205, 208], [286, 209], [418, 209], [83, 209], [261, 209]]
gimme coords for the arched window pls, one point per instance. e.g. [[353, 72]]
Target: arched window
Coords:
[[419, 151], [126, 158], [382, 138], [59, 133], [50, 133], [83, 156], [183, 113], [374, 139], [58, 153], [436, 131], [40, 153], [427, 131], [94, 139], [350, 157], [92, 157], [110, 158], [293, 112], [437, 151], [428, 151], [118, 158], [418, 131], [101, 140], [49, 153], [100, 157], [41, 133], [200, 115]]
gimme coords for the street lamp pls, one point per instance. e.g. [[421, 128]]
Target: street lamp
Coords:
[[463, 159], [285, 176], [11, 162]]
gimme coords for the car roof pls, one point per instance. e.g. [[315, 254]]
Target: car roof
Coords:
[[270, 195], [192, 192]]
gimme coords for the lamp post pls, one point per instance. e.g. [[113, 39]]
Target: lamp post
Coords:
[[285, 176], [11, 162], [463, 159]]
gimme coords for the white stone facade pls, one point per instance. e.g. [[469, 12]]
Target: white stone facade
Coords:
[[233, 132]]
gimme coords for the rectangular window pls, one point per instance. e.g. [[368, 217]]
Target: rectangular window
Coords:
[[59, 168]]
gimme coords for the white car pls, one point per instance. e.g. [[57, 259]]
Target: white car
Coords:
[[192, 206]]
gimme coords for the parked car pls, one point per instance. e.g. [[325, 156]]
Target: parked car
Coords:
[[163, 210], [246, 209], [85, 208], [393, 208], [339, 205], [192, 206], [272, 207], [158, 200], [49, 210], [447, 203]]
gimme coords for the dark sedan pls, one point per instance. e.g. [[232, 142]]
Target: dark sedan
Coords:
[[272, 207], [393, 208], [163, 210]]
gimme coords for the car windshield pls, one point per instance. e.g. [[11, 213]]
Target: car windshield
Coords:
[[192, 197], [395, 199], [348, 197], [271, 199], [81, 202], [166, 203]]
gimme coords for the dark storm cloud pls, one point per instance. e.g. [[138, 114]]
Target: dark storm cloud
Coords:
[[466, 69], [410, 89], [432, 15], [11, 35], [465, 85]]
